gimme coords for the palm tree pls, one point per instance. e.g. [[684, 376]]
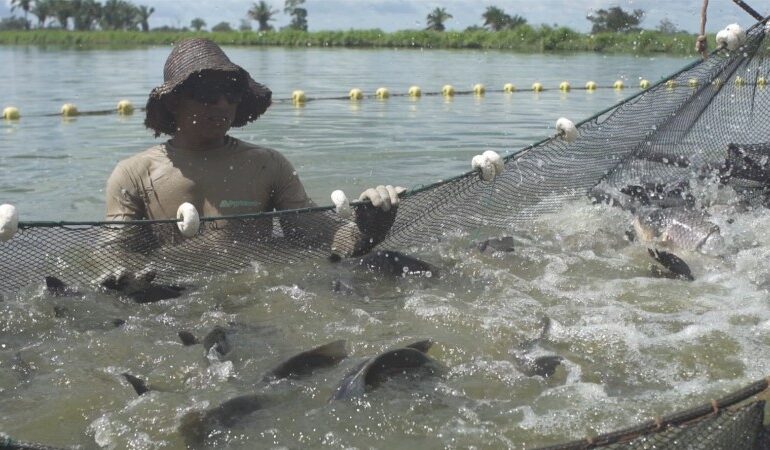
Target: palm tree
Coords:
[[143, 14], [42, 10], [299, 15], [197, 24], [436, 19], [261, 13], [25, 6], [495, 18], [62, 10], [86, 13], [119, 15]]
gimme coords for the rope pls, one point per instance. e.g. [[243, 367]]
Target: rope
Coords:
[[701, 43], [749, 10]]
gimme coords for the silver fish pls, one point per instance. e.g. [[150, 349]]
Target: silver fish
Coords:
[[680, 228]]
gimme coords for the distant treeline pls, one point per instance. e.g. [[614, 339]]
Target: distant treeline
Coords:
[[523, 38]]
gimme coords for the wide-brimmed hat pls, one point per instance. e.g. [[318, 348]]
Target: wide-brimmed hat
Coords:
[[197, 56]]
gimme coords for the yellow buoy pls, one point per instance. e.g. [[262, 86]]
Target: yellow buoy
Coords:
[[717, 81], [644, 84], [591, 86], [448, 90], [564, 86], [509, 87], [356, 94], [382, 93], [671, 84], [125, 107], [537, 87], [11, 113], [618, 84], [69, 110], [415, 91], [479, 89], [761, 82], [298, 97], [692, 82], [739, 81]]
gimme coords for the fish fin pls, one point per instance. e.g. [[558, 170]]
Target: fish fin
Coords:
[[544, 366], [422, 346], [137, 383], [54, 285], [673, 263], [333, 350], [306, 362], [187, 338]]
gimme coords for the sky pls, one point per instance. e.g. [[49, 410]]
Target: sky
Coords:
[[392, 15]]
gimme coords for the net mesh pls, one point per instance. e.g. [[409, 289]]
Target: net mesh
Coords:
[[710, 117]]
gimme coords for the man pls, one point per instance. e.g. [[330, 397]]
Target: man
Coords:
[[203, 95]]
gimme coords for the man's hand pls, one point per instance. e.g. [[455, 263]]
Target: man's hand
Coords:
[[384, 197]]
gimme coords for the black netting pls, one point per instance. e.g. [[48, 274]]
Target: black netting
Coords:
[[708, 118]]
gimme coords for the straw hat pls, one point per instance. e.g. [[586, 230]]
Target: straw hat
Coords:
[[196, 56]]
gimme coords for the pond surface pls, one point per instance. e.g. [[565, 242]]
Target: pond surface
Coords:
[[633, 346]]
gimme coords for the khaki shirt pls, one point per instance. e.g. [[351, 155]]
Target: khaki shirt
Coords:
[[237, 178]]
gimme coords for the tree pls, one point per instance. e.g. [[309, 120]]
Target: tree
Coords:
[[197, 24], [496, 19], [42, 10], [262, 13], [14, 23], [245, 25], [436, 19], [85, 14], [62, 10], [143, 14], [667, 26], [222, 27], [25, 6], [299, 15], [615, 20], [119, 15]]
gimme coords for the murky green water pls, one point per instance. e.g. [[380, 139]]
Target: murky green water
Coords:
[[633, 346]]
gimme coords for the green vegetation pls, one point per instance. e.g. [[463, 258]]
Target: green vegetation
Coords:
[[523, 38]]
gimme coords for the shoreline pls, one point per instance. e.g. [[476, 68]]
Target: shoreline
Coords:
[[522, 39]]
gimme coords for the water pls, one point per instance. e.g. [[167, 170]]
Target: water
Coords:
[[634, 346]]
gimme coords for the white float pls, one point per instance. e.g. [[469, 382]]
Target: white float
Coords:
[[189, 222], [9, 221], [566, 129], [341, 203]]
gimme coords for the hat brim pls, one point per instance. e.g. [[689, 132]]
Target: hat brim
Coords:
[[256, 99]]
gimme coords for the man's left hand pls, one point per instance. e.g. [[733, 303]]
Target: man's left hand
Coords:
[[384, 197]]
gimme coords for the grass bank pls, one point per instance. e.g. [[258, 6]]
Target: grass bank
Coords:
[[521, 39]]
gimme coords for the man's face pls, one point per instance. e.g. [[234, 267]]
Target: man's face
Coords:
[[206, 106]]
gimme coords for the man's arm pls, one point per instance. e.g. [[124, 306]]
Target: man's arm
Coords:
[[345, 237]]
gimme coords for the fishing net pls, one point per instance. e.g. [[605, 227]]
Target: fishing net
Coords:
[[708, 120]]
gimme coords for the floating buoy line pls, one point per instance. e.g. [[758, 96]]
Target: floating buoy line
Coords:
[[299, 97]]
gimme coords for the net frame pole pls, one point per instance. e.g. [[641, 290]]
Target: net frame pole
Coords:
[[749, 10]]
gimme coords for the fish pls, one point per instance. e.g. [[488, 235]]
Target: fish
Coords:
[[58, 288], [676, 265], [368, 375], [677, 228], [216, 338], [140, 288], [138, 384], [306, 362], [396, 264], [187, 338], [195, 426], [500, 244], [542, 366]]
